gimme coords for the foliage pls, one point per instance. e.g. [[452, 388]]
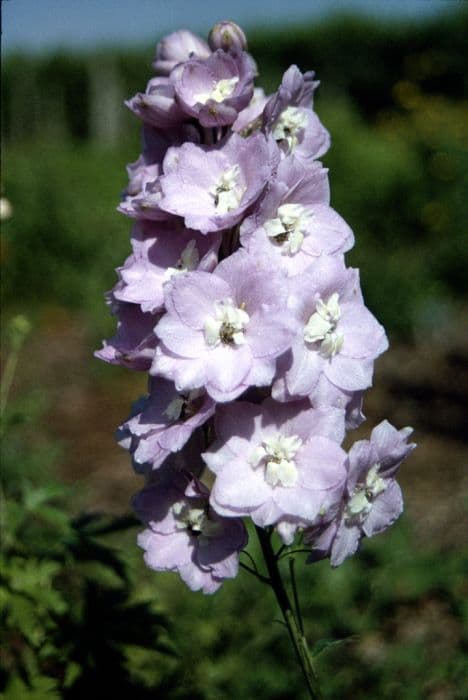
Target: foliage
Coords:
[[389, 623], [72, 618], [400, 184], [357, 58], [392, 97]]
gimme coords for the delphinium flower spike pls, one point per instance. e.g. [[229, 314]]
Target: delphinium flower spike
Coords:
[[237, 301]]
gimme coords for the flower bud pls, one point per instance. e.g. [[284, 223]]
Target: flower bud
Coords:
[[227, 36]]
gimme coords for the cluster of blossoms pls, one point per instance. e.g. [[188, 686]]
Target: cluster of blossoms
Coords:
[[237, 301]]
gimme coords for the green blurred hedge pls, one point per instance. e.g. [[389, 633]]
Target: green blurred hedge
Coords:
[[392, 97]]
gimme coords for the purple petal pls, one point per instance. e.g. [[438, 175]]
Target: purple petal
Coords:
[[345, 543], [387, 507]]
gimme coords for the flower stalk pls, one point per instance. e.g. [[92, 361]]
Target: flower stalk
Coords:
[[290, 616]]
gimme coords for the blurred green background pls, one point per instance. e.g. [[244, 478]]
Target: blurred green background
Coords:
[[78, 606]]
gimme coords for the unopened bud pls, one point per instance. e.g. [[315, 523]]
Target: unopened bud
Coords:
[[227, 36]]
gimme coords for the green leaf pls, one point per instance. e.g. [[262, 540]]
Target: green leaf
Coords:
[[43, 688], [323, 645]]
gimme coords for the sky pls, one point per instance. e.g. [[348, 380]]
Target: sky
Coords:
[[41, 25]]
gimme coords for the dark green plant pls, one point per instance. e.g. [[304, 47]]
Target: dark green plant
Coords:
[[71, 614]]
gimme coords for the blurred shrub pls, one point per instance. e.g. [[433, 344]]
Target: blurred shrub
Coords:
[[391, 96], [72, 617], [71, 620], [65, 236], [354, 57], [401, 186]]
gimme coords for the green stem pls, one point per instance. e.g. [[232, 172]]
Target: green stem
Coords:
[[18, 329], [297, 638], [297, 607]]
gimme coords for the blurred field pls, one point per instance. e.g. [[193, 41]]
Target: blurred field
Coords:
[[394, 100]]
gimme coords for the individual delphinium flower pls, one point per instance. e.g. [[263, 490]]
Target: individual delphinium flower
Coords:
[[160, 251], [141, 197], [224, 330], [134, 343], [176, 48], [289, 117], [294, 222], [163, 421], [139, 202], [158, 106], [212, 87], [186, 535], [212, 188], [277, 462], [372, 500], [337, 338], [214, 90]]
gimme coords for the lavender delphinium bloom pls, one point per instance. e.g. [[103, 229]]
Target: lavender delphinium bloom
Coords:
[[159, 252], [141, 197], [163, 421], [223, 330], [158, 106], [289, 117], [372, 500], [214, 90], [337, 338], [176, 48], [134, 344], [275, 462], [212, 188], [185, 535], [294, 222]]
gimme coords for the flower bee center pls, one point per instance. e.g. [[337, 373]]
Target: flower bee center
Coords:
[[288, 228], [227, 325], [360, 503], [288, 125], [220, 91], [184, 406], [276, 453], [321, 326], [226, 193], [194, 518], [188, 261]]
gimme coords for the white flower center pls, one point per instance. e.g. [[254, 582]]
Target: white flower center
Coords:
[[151, 197], [290, 122], [227, 325], [288, 229], [183, 405], [277, 453], [219, 92], [226, 193], [189, 259], [321, 326], [194, 517], [360, 503]]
